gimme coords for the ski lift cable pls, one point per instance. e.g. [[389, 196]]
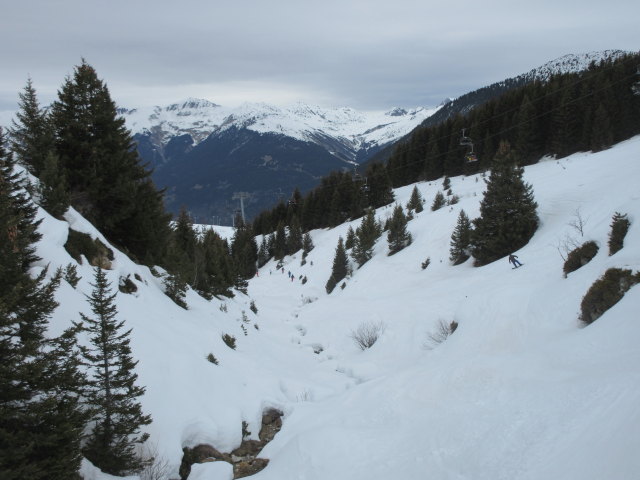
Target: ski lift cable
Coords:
[[514, 126]]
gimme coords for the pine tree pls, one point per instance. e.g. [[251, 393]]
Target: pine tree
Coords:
[[280, 242], [41, 421], [307, 246], [508, 217], [244, 251], [398, 237], [366, 235], [351, 238], [526, 133], [415, 202], [31, 133], [53, 187], [218, 264], [340, 266], [263, 252], [380, 192], [111, 390], [460, 240], [438, 202], [107, 182], [294, 239]]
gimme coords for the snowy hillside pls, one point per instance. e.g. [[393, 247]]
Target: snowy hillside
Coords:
[[199, 118], [572, 63], [519, 391]]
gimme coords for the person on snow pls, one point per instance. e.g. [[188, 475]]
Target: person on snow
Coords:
[[514, 260]]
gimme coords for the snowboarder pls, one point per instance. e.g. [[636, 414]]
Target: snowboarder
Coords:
[[514, 259]]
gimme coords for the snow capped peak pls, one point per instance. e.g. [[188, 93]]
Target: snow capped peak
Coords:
[[572, 63], [192, 104], [396, 112], [352, 128]]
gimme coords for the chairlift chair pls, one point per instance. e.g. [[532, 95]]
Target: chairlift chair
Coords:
[[470, 157]]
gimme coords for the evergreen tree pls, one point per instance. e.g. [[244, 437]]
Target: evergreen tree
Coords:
[[111, 390], [41, 421], [244, 250], [31, 133], [351, 238], [307, 246], [438, 202], [415, 202], [184, 246], [601, 131], [218, 265], [398, 237], [53, 187], [366, 235], [294, 239], [527, 143], [460, 240], [508, 217], [340, 267], [280, 242], [263, 252], [380, 192], [107, 182]]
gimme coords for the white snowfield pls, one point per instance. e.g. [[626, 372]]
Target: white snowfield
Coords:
[[520, 391]]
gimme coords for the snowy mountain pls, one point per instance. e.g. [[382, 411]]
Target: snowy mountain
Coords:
[[344, 132], [570, 63], [520, 391], [203, 153]]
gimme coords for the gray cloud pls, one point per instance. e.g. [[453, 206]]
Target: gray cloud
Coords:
[[366, 54]]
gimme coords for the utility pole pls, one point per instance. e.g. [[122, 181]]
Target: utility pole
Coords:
[[241, 196]]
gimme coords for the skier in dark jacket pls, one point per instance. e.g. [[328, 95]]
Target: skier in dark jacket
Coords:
[[514, 259]]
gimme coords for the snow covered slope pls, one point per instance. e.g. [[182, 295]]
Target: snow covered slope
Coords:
[[519, 391]]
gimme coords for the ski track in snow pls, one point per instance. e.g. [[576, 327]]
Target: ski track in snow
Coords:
[[519, 391]]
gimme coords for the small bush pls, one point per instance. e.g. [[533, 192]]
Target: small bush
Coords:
[[367, 334], [96, 252], [229, 340], [212, 358], [605, 293], [580, 256], [443, 330], [253, 307], [126, 285], [619, 227], [245, 430], [426, 263]]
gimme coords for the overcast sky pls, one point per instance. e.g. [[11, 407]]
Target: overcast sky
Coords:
[[368, 55]]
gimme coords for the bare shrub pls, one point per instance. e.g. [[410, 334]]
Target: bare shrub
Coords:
[[367, 334], [443, 330], [158, 467]]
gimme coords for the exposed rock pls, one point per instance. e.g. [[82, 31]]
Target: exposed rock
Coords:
[[248, 448], [271, 424], [245, 469], [244, 458]]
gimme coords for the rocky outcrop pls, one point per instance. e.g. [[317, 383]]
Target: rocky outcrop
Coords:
[[244, 459]]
